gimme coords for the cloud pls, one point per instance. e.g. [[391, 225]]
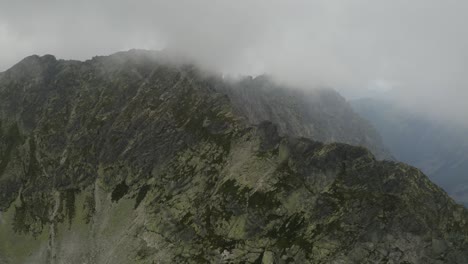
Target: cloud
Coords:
[[416, 49]]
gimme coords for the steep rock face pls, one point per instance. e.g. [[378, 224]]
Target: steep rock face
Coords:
[[319, 114], [123, 159]]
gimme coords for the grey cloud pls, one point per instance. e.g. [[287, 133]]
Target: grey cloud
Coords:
[[417, 48]]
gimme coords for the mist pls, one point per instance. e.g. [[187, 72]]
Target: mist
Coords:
[[413, 52]]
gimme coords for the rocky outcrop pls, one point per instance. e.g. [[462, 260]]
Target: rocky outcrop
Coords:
[[125, 159]]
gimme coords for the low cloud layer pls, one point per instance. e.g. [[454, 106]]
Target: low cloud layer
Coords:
[[414, 51]]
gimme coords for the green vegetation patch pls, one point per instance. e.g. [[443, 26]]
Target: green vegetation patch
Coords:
[[119, 191]]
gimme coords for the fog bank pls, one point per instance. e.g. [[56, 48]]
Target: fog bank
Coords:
[[412, 51]]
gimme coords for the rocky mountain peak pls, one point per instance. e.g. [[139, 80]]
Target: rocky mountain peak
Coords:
[[149, 162]]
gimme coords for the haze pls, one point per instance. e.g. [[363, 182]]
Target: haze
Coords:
[[412, 51]]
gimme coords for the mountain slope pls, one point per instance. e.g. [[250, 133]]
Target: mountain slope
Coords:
[[440, 150], [320, 114], [125, 159]]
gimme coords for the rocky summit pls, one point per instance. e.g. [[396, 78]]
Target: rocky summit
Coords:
[[130, 158]]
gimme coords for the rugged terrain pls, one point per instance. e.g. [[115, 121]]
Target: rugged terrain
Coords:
[[320, 114], [131, 159], [439, 149]]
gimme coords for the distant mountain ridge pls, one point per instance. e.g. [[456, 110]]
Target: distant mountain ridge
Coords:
[[439, 149], [130, 159], [319, 114]]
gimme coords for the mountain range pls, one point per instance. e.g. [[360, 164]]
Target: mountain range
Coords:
[[131, 158], [439, 149]]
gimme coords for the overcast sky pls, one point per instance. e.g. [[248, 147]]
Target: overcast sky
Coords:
[[413, 50]]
